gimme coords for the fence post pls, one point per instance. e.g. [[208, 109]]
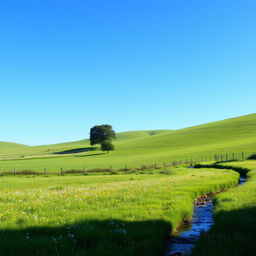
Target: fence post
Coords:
[[61, 171], [233, 156], [14, 171], [44, 171], [84, 170], [226, 157], [155, 166], [243, 156], [110, 168]]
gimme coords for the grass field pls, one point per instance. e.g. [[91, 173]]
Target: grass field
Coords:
[[129, 213], [100, 215], [234, 232], [136, 148]]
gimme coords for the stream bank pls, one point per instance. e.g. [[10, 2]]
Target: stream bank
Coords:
[[183, 241]]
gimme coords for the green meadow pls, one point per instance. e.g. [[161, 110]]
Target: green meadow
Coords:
[[125, 214], [134, 149]]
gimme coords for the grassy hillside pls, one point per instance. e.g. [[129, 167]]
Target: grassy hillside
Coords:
[[141, 147], [6, 148]]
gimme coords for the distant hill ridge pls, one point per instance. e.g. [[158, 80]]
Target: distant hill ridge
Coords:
[[230, 135]]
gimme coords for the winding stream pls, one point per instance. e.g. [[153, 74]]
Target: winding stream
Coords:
[[182, 242]]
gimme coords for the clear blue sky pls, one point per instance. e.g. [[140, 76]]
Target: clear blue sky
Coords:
[[137, 64]]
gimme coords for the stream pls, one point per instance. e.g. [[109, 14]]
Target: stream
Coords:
[[182, 242]]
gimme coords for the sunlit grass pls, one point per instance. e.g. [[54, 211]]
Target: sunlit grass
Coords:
[[100, 215], [139, 147]]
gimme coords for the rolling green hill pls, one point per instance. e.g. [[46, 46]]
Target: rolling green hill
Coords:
[[139, 147], [6, 148]]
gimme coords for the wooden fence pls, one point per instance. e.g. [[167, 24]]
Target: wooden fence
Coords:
[[215, 158]]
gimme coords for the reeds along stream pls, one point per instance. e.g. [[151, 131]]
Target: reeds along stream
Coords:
[[182, 242]]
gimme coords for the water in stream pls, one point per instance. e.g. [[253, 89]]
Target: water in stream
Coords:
[[183, 241]]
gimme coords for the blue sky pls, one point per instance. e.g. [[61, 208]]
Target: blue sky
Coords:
[[139, 64]]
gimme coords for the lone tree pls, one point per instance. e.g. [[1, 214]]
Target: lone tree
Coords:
[[107, 146], [103, 135]]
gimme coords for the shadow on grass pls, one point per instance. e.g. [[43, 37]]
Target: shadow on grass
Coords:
[[233, 234], [241, 170], [95, 154], [76, 150], [92, 238]]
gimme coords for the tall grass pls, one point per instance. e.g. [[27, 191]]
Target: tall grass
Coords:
[[100, 215]]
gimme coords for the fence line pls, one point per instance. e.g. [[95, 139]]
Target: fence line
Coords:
[[217, 158]]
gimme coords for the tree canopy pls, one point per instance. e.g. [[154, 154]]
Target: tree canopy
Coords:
[[101, 133], [107, 146]]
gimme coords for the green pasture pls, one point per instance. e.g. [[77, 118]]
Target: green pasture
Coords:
[[125, 214], [140, 147]]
